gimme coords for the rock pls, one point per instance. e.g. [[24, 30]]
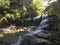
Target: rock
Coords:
[[39, 36], [34, 40]]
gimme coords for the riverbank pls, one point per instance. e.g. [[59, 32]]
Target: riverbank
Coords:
[[9, 36]]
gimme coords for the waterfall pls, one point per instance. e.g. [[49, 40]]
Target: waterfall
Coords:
[[43, 24], [32, 35]]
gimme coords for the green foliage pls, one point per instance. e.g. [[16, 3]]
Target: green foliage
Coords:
[[10, 16], [5, 3], [38, 6], [23, 11], [49, 10], [9, 11], [53, 8], [12, 11]]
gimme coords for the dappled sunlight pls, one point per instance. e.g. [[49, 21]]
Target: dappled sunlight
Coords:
[[12, 29], [29, 22]]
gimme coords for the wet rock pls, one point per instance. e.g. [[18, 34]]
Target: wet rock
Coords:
[[39, 35], [3, 43], [52, 23], [34, 40]]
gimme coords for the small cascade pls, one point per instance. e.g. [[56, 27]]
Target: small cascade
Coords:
[[36, 36], [43, 24]]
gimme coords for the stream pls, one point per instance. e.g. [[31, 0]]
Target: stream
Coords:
[[36, 36]]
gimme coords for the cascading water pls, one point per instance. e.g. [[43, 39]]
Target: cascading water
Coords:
[[43, 24], [31, 36]]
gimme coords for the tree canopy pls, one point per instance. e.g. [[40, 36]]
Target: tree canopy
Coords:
[[37, 6], [13, 10]]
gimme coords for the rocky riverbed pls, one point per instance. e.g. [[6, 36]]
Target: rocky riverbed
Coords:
[[35, 36]]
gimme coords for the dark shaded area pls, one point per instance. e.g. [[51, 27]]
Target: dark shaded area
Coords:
[[28, 22], [42, 37], [43, 34]]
